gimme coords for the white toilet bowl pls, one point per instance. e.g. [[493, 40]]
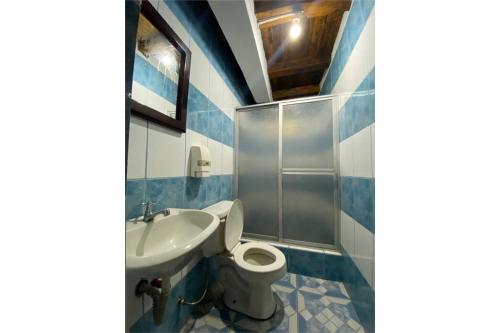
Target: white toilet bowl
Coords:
[[246, 270]]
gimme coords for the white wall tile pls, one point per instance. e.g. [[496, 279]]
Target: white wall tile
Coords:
[[228, 101], [147, 97], [193, 139], [215, 88], [165, 152], [236, 102], [200, 67], [216, 155], [346, 158], [362, 155], [227, 160], [140, 93], [372, 132], [137, 139], [347, 233], [133, 304], [172, 21], [364, 258], [176, 278]]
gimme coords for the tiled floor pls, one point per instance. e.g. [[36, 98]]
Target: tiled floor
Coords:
[[305, 304]]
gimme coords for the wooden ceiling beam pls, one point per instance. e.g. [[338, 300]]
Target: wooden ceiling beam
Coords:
[[269, 5], [308, 90], [298, 67]]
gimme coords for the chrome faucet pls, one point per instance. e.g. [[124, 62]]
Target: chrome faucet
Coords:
[[148, 212]]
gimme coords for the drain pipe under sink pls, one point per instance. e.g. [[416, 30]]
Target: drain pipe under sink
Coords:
[[158, 290]]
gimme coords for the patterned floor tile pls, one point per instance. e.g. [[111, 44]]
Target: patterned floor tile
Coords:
[[318, 313], [289, 280], [211, 322], [321, 287], [304, 304], [284, 320]]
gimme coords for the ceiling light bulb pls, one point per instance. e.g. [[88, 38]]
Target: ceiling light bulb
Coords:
[[296, 29]]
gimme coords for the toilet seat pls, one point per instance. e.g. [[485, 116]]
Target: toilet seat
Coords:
[[244, 259], [234, 226]]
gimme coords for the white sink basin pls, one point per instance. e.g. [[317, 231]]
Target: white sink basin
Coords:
[[167, 243]]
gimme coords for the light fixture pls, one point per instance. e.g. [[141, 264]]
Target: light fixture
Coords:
[[295, 29]]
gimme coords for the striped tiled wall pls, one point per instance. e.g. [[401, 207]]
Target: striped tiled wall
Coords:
[[158, 157], [351, 75]]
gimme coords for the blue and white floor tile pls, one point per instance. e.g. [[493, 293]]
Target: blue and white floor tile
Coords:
[[304, 304], [321, 287]]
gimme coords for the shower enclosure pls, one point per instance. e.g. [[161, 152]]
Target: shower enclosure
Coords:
[[286, 169]]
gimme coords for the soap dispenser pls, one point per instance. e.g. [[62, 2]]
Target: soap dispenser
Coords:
[[200, 161]]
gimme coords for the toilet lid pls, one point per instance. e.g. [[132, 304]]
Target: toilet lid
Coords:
[[234, 225]]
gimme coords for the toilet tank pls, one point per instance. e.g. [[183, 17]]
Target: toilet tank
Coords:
[[215, 243]]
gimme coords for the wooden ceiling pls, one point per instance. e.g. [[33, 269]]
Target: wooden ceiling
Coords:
[[295, 67]]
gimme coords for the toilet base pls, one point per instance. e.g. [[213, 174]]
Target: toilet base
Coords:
[[254, 300], [260, 319]]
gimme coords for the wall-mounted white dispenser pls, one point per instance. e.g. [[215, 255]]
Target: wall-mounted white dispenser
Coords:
[[200, 161]]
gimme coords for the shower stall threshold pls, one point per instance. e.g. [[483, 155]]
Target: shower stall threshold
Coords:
[[303, 247]]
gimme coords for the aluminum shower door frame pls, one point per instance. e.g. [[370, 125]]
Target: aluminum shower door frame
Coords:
[[334, 172]]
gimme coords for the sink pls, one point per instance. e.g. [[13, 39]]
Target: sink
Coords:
[[167, 243]]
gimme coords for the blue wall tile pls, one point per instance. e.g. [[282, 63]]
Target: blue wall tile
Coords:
[[147, 75], [226, 187], [177, 192], [363, 190], [357, 198], [212, 189], [195, 194], [135, 194], [334, 267], [215, 124], [166, 192], [196, 100], [227, 131], [359, 110], [306, 263], [315, 264], [346, 196]]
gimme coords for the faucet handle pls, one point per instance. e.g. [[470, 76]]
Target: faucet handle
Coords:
[[148, 205]]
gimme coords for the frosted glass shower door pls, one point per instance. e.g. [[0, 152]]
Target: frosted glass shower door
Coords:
[[258, 170], [308, 178]]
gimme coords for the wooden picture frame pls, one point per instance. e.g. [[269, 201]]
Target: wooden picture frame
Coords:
[[144, 111]]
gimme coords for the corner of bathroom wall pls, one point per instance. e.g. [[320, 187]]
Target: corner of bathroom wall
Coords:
[[158, 157], [351, 75], [323, 264]]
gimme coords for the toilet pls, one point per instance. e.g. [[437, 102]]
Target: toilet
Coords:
[[246, 271]]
